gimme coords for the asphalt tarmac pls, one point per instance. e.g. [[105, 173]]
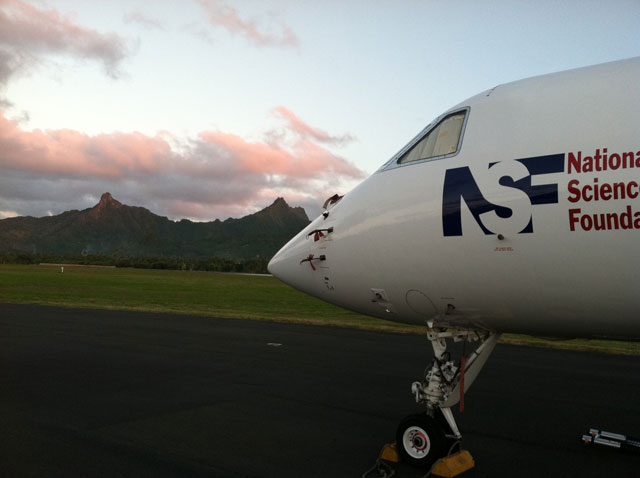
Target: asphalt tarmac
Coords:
[[111, 393]]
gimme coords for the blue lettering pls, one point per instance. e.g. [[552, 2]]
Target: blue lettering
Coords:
[[460, 185]]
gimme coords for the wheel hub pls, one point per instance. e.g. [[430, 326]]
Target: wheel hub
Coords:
[[419, 441], [416, 442]]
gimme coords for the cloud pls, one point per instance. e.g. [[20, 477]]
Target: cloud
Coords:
[[221, 14], [6, 214], [213, 175], [142, 19], [70, 153], [304, 159], [306, 131], [29, 34]]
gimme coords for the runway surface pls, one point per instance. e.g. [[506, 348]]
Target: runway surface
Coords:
[[111, 393]]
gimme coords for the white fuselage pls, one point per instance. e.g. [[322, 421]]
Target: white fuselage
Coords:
[[531, 226]]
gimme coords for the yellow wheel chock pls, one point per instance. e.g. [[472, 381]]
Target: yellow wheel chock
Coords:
[[448, 467]]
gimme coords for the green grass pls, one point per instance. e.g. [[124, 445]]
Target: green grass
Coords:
[[607, 346], [196, 293], [215, 295]]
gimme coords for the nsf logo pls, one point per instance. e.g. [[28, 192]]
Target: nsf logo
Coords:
[[506, 182]]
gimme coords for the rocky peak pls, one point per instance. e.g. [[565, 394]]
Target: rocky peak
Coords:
[[106, 203], [107, 200], [280, 209], [279, 203]]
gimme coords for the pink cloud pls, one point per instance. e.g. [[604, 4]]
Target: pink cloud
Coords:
[[306, 131], [27, 32], [70, 153], [216, 174], [227, 17], [253, 157], [305, 160]]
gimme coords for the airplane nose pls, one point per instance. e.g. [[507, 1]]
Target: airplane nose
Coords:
[[301, 262], [285, 265], [280, 265]]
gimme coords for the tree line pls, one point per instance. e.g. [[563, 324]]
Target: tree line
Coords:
[[217, 264]]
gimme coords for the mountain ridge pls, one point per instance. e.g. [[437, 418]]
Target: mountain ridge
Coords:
[[113, 228]]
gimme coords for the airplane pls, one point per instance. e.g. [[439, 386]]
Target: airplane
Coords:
[[515, 211]]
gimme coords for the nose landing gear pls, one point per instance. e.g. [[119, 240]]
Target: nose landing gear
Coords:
[[422, 439]]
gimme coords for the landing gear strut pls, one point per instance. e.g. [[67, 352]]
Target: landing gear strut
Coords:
[[424, 438]]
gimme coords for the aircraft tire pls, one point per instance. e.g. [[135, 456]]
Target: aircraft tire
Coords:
[[420, 440]]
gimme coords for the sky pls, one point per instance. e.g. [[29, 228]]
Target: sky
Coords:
[[205, 109]]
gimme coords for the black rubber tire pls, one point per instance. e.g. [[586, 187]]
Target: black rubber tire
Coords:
[[420, 440]]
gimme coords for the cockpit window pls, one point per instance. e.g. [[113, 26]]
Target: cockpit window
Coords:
[[442, 140]]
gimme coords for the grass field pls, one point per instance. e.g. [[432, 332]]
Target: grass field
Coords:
[[211, 294], [196, 293]]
